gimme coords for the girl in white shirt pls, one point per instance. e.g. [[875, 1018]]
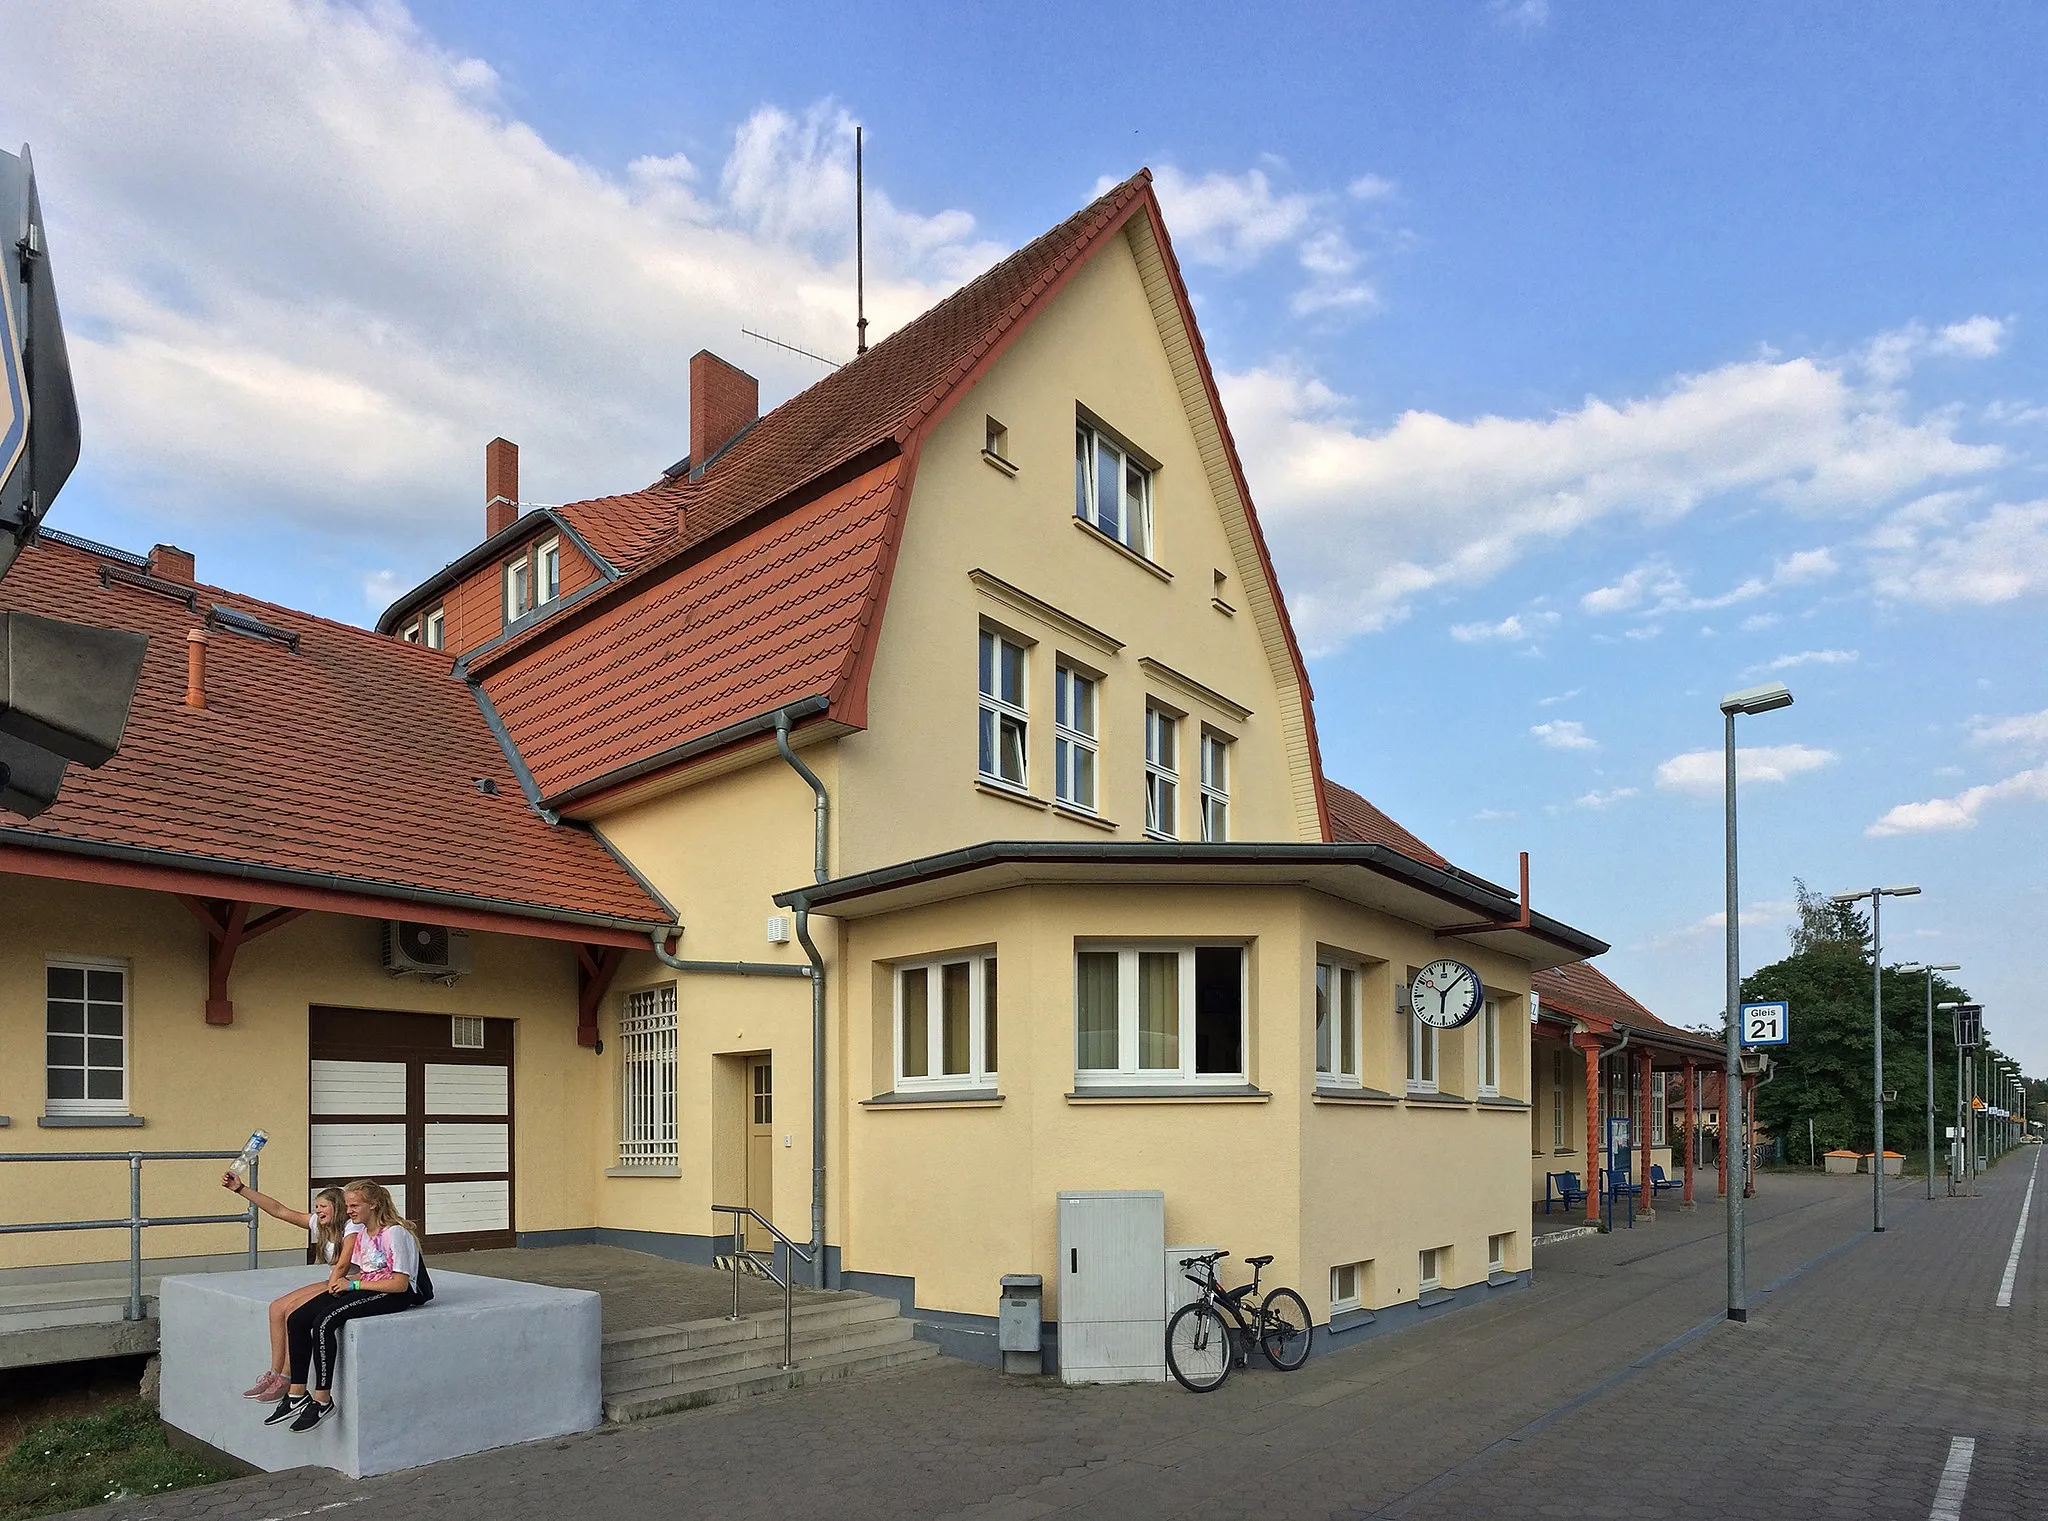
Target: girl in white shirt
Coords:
[[330, 1236]]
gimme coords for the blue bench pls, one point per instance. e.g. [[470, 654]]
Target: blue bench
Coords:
[[1658, 1182], [1570, 1191]]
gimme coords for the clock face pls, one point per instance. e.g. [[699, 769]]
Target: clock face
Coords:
[[1446, 994]]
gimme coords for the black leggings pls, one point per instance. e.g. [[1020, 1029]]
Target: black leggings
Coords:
[[312, 1332]]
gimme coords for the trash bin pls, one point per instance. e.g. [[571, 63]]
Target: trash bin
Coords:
[[1018, 1322]]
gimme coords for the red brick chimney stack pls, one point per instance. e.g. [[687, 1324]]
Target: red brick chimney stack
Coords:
[[723, 400], [501, 486], [167, 562], [195, 668]]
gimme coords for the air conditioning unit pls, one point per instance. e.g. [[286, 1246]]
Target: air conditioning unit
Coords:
[[426, 950]]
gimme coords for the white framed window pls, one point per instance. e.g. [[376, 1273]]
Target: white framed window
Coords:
[[647, 1075], [1159, 1014], [1489, 1049], [1422, 1045], [946, 1023], [468, 1032], [1215, 787], [1559, 1087], [1659, 1102], [1337, 1032], [1005, 723], [1429, 1268], [996, 440], [434, 629], [411, 633], [1162, 773], [518, 588], [547, 571], [1074, 737], [1347, 1286], [1112, 489], [85, 1042], [1497, 1248]]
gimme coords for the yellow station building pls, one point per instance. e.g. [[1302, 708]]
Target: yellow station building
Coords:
[[904, 812]]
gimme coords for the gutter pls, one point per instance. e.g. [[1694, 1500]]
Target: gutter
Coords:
[[675, 755], [821, 869], [283, 876]]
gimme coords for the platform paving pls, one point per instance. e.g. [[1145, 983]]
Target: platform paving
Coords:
[[640, 1291], [1613, 1386]]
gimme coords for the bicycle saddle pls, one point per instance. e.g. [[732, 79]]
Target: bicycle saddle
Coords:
[[1257, 1262]]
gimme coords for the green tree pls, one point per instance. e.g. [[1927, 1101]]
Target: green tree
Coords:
[[1824, 1074]]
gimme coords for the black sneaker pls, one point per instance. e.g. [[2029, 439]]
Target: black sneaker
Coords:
[[286, 1408], [311, 1414]]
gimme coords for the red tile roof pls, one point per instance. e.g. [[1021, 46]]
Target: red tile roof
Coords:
[[737, 539], [1583, 989], [749, 628], [1355, 821], [355, 758]]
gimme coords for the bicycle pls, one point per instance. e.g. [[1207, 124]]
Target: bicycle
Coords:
[[1200, 1348]]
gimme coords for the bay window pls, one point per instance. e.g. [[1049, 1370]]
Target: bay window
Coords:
[[1159, 1014], [1337, 1033], [946, 1023]]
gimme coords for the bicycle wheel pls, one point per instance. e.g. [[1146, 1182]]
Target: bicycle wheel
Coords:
[[1198, 1347], [1285, 1330]]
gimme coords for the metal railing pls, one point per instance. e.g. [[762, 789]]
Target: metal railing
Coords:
[[742, 1213], [137, 1222]]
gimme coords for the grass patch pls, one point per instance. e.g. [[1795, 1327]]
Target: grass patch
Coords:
[[86, 1460]]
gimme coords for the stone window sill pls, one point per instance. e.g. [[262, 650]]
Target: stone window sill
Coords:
[[1173, 1093], [1371, 1097], [1123, 549], [643, 1172], [1009, 794], [997, 462], [1499, 1280], [1449, 1100], [1495, 1101], [89, 1121], [1357, 1315], [1429, 1299], [936, 1098], [1083, 816]]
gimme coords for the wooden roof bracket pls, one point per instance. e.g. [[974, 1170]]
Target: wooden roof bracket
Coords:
[[596, 966], [228, 927], [1520, 922]]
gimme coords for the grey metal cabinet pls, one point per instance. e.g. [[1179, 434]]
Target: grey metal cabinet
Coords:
[[1112, 1286]]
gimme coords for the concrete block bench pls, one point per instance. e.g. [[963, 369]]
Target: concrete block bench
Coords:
[[489, 1362]]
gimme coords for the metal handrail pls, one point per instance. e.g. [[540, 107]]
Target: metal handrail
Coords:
[[740, 1214], [137, 1222]]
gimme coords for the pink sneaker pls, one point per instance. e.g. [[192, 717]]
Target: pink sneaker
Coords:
[[268, 1387]]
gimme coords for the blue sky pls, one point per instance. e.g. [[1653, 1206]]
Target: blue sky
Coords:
[[1587, 362]]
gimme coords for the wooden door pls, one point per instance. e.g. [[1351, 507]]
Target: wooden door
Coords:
[[760, 1147], [422, 1103]]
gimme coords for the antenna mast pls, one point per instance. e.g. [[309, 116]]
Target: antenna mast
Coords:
[[860, 296]]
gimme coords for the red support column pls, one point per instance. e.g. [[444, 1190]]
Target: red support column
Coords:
[[1646, 1197], [1690, 1132], [1592, 1050]]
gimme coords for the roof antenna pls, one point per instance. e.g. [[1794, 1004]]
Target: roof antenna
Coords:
[[860, 298]]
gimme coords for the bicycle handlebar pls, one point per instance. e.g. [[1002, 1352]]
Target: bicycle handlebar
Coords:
[[1209, 1257]]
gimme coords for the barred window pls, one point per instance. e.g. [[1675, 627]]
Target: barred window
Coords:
[[647, 1068]]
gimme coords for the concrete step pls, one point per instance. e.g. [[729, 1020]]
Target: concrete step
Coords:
[[737, 1360], [687, 1394], [808, 1316], [76, 1302]]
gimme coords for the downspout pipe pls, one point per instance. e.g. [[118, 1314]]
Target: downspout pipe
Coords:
[[821, 869]]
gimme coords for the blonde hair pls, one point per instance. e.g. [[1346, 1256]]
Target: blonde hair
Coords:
[[383, 1212], [327, 1238]]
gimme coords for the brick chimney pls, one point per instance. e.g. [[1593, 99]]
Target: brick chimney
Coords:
[[723, 400], [167, 562], [501, 485]]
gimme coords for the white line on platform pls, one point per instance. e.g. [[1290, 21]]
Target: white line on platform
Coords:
[[1567, 1235], [1955, 1478], [2019, 1236]]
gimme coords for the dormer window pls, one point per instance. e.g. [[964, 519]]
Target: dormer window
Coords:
[[533, 580], [434, 629], [1112, 489]]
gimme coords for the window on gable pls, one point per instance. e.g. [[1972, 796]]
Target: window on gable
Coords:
[[547, 571], [85, 1043], [946, 1023], [1112, 489], [1159, 1014], [1162, 773], [647, 1070], [411, 632], [1005, 723], [434, 629], [1337, 1032], [996, 440], [1074, 737], [1215, 787], [518, 588]]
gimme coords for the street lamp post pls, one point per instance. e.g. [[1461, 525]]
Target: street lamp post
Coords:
[[1877, 895], [1756, 700], [1930, 968]]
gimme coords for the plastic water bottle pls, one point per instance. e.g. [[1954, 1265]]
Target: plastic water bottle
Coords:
[[258, 1139]]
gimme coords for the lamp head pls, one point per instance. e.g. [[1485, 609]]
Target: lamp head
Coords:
[[1900, 892], [1757, 699]]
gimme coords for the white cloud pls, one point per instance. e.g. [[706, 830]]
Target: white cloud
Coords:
[[2024, 729], [1999, 557], [1654, 580], [1890, 357], [1564, 734], [1513, 629], [1960, 811], [1233, 221], [1757, 622], [1365, 520], [1700, 771], [1370, 187], [1972, 338], [1752, 916], [312, 262], [381, 588], [1656, 589], [1598, 799], [1491, 815], [1808, 657], [1551, 702]]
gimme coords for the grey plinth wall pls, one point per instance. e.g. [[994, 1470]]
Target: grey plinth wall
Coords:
[[488, 1363]]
